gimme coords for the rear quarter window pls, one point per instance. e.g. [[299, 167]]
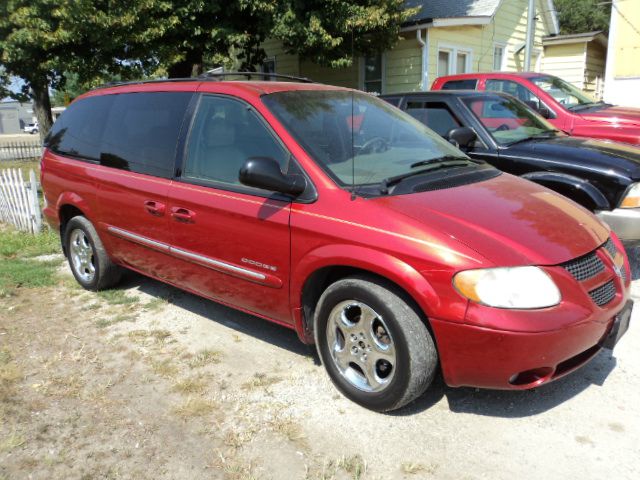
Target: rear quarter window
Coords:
[[129, 131], [78, 131], [467, 84]]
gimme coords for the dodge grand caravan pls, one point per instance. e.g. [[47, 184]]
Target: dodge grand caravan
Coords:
[[332, 213]]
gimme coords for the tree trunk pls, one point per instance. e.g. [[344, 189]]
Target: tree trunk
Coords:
[[42, 108], [191, 66]]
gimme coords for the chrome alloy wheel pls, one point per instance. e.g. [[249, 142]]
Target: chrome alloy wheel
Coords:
[[81, 255], [361, 346]]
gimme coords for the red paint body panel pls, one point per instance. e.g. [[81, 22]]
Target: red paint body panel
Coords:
[[621, 124], [418, 241]]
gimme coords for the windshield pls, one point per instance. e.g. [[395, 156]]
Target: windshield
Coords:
[[356, 138], [507, 120], [563, 92]]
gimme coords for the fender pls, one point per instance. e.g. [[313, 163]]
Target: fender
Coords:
[[379, 263], [552, 179], [71, 198]]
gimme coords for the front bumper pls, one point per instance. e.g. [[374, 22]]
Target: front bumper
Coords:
[[519, 349], [624, 221]]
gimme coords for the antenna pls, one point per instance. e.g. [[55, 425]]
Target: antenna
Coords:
[[353, 126]]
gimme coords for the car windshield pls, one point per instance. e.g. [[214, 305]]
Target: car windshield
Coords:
[[359, 139], [563, 92], [507, 120]]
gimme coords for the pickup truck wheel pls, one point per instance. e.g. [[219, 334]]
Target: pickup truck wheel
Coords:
[[374, 346], [89, 261]]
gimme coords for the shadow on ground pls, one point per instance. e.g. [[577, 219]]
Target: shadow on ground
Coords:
[[496, 403]]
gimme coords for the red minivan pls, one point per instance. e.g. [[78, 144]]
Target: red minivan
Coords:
[[332, 213], [564, 105]]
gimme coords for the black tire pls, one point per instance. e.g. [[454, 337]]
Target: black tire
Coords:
[[107, 273], [416, 356]]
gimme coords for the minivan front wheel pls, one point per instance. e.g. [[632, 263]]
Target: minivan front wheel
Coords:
[[88, 259], [374, 346]]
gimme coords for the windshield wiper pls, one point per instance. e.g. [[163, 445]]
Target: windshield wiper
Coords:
[[443, 159], [434, 164], [545, 134], [584, 106]]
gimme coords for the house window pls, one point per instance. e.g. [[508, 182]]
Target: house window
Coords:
[[373, 73], [453, 60], [499, 58], [462, 60], [269, 66], [444, 61]]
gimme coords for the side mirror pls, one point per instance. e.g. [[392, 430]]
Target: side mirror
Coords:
[[264, 172], [544, 111], [461, 137]]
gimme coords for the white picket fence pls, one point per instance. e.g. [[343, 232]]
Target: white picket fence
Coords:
[[19, 203]]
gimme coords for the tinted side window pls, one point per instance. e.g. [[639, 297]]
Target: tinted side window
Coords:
[[395, 101], [224, 135], [467, 84], [142, 131], [435, 115], [78, 131]]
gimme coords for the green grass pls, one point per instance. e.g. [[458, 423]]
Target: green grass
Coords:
[[17, 268], [117, 297], [24, 273], [15, 244]]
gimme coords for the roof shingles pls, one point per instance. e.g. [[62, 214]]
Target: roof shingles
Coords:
[[432, 9]]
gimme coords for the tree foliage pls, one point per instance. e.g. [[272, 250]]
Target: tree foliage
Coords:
[[579, 16], [48, 43], [330, 32], [41, 39]]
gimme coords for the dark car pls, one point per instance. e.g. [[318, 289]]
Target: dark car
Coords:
[[600, 175]]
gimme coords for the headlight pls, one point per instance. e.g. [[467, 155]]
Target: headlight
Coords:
[[632, 198], [514, 287]]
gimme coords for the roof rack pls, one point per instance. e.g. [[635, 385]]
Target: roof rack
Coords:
[[211, 75], [218, 75]]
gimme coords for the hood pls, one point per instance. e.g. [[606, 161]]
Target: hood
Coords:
[[627, 116], [507, 220], [621, 158]]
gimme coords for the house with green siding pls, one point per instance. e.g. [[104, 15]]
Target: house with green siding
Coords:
[[444, 37]]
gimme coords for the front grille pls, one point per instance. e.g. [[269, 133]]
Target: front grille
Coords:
[[585, 267], [610, 247], [603, 294]]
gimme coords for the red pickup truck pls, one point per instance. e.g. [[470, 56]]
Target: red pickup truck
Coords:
[[564, 105]]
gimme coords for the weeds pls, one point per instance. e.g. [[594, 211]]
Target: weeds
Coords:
[[195, 407], [13, 440], [260, 380], [144, 337], [107, 322], [191, 385], [204, 357], [164, 368], [117, 297]]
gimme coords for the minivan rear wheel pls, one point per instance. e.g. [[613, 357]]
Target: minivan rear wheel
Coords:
[[374, 345], [88, 259]]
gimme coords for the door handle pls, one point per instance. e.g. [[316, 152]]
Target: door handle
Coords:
[[154, 208], [183, 215]]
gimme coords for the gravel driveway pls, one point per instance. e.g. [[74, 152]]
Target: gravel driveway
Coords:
[[197, 390]]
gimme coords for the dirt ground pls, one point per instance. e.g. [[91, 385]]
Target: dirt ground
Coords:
[[149, 382]]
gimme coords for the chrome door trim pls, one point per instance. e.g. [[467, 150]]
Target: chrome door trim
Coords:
[[144, 241], [216, 264], [196, 258]]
